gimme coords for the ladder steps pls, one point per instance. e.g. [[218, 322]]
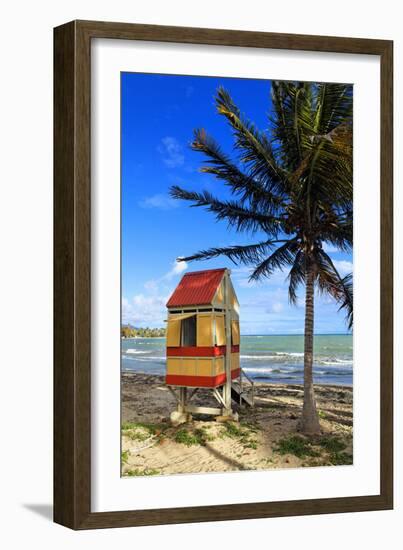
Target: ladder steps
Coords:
[[236, 396]]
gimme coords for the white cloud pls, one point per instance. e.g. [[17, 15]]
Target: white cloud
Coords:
[[329, 248], [177, 269], [343, 266], [144, 310], [241, 277], [159, 201], [151, 285], [171, 151], [149, 308], [277, 307]]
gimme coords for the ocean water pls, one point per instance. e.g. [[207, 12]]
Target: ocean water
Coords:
[[274, 359]]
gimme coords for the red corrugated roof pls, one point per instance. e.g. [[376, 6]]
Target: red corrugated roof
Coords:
[[196, 288]]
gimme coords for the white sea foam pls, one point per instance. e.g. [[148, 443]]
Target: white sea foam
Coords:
[[258, 357], [289, 354], [274, 370], [277, 355], [250, 370], [337, 362], [136, 351]]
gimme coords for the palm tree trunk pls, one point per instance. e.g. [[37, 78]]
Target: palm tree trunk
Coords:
[[309, 422]]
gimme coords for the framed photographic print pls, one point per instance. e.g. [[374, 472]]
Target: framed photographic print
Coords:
[[223, 275]]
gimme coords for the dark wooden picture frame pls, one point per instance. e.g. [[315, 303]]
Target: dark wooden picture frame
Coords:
[[72, 274]]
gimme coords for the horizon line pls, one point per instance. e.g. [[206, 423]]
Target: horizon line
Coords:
[[302, 334]]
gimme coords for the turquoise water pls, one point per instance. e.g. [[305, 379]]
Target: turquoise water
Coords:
[[264, 358]]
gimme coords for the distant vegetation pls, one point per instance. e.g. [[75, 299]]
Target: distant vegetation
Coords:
[[131, 332]]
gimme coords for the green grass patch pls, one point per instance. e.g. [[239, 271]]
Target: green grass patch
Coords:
[[125, 456], [135, 435], [251, 426], [250, 444], [322, 414], [233, 430], [151, 428], [140, 431], [332, 444], [335, 447], [297, 446], [329, 449], [206, 435], [199, 436], [340, 459], [242, 433], [138, 473]]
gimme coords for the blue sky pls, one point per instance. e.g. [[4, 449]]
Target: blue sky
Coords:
[[159, 114]]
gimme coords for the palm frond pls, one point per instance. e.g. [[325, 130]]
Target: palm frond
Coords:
[[239, 217], [334, 106], [331, 282], [296, 276], [347, 301], [248, 188], [282, 257], [340, 236], [244, 254], [254, 146], [291, 121]]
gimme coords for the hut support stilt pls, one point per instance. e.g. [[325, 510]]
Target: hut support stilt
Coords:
[[227, 412]]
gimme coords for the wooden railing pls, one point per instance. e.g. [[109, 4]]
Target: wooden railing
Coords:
[[251, 388]]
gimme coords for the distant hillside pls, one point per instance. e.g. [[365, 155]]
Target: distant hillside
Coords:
[[127, 331]]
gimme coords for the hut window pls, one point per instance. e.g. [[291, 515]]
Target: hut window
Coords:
[[173, 332], [188, 331], [175, 328], [235, 333], [220, 339], [205, 329]]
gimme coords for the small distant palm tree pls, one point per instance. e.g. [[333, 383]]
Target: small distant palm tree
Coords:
[[293, 185]]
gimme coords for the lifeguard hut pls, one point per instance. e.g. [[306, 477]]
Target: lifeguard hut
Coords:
[[203, 340]]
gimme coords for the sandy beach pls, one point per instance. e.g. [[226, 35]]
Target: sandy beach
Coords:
[[265, 437]]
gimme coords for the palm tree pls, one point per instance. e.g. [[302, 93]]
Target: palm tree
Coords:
[[293, 185]]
